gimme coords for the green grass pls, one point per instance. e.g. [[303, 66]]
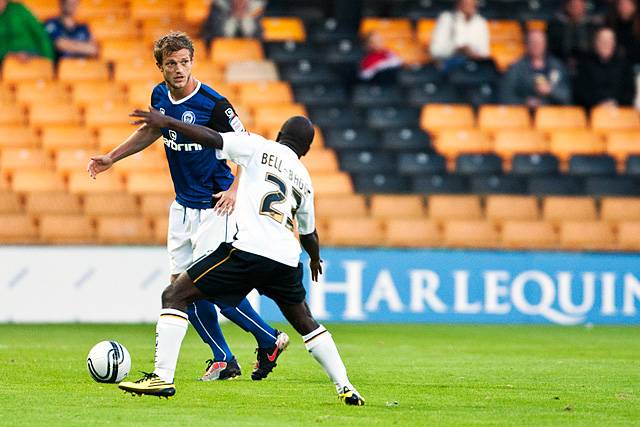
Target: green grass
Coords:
[[438, 375]]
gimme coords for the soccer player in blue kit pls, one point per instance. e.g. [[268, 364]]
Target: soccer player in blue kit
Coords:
[[201, 217]]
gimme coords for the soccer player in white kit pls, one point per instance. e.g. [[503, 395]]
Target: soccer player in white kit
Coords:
[[274, 191]]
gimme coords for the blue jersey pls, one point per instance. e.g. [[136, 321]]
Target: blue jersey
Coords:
[[196, 172], [57, 29]]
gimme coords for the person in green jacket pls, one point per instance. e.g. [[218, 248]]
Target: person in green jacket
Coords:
[[21, 32]]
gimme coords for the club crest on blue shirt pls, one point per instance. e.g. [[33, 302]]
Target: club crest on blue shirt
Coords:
[[188, 117]]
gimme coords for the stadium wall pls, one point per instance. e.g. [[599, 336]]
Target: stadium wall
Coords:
[[123, 284]]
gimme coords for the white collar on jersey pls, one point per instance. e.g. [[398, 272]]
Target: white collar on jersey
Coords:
[[186, 98]]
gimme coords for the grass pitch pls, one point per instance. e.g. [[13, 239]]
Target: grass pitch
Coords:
[[409, 375]]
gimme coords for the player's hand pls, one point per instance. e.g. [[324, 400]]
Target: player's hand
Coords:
[[316, 269], [152, 118], [98, 164], [226, 201]]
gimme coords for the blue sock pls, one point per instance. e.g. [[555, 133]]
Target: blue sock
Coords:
[[204, 319], [246, 317]]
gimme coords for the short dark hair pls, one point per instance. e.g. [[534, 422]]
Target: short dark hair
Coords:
[[172, 42]]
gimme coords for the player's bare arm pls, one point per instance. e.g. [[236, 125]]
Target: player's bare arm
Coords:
[[311, 244], [138, 141]]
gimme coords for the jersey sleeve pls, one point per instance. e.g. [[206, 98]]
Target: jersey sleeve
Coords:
[[224, 118], [305, 215], [239, 147]]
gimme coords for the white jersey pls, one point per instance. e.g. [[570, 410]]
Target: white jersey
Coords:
[[275, 188]]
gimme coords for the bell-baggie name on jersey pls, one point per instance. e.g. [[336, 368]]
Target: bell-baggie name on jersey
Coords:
[[196, 172]]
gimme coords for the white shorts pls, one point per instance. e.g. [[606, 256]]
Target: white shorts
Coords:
[[194, 233]]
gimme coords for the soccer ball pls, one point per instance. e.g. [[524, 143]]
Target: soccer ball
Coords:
[[108, 362]]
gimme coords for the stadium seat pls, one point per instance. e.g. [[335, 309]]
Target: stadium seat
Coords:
[[632, 166], [382, 118], [275, 115], [137, 70], [143, 9], [66, 229], [336, 183], [341, 206], [17, 228], [367, 95], [553, 118], [139, 93], [440, 184], [446, 207], [410, 51], [149, 182], [259, 93], [70, 160], [452, 143], [355, 232], [307, 72], [227, 50], [497, 184], [110, 137], [321, 161], [564, 144], [12, 115], [102, 204], [602, 165], [586, 235], [555, 185], [622, 144], [394, 206], [9, 203], [350, 138], [372, 183], [35, 91], [31, 181], [405, 139], [412, 233], [421, 164], [17, 136], [416, 76], [424, 30], [472, 74], [124, 230], [438, 117], [478, 164], [470, 234], [53, 113], [113, 26], [71, 70], [250, 71], [144, 161], [56, 138], [107, 114], [13, 159], [4, 183], [388, 28], [611, 186], [196, 11], [106, 182], [556, 209], [501, 208], [534, 165], [160, 225], [607, 119], [282, 29], [156, 27], [505, 30], [433, 93], [97, 92], [152, 205], [356, 161], [42, 9], [528, 234], [617, 209], [629, 235], [16, 70], [494, 118], [52, 203], [124, 49], [505, 53]]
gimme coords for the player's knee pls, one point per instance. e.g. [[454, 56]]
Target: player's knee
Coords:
[[168, 296]]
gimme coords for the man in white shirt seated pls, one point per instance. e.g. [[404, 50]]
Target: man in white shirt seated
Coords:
[[461, 34]]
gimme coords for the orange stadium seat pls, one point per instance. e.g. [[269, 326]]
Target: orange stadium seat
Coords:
[[137, 70], [114, 26], [564, 144], [283, 29], [9, 203], [107, 182], [562, 208], [622, 144], [259, 93], [616, 209], [78, 69], [152, 205], [275, 115], [124, 49], [522, 234], [424, 30], [209, 73], [139, 93], [89, 92], [102, 204], [154, 28], [110, 137], [66, 229], [12, 159], [91, 9], [412, 232], [410, 51], [17, 136], [34, 91], [7, 96], [12, 115], [69, 160], [53, 203], [160, 229], [33, 181], [503, 117], [4, 183], [226, 50], [321, 161], [107, 114], [501, 208], [536, 25], [143, 161], [16, 228], [444, 207], [355, 232], [53, 113], [607, 119], [438, 117], [586, 235], [505, 30], [452, 143], [335, 183], [251, 71], [511, 142], [196, 11], [385, 206], [144, 9], [43, 9], [341, 206], [387, 27], [124, 230], [149, 182], [629, 235], [551, 118], [470, 233], [505, 53], [16, 70]]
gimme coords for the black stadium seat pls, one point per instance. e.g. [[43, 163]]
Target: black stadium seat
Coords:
[[285, 52], [374, 95], [433, 93], [335, 117], [560, 185], [498, 184], [416, 76], [473, 73], [421, 164], [328, 30], [321, 94], [483, 94], [342, 51], [307, 72], [351, 138], [592, 165], [534, 164], [368, 162], [406, 139], [632, 166], [611, 186], [380, 183], [386, 117], [478, 164], [440, 184]]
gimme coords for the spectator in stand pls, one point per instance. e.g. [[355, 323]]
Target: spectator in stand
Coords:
[[70, 38], [21, 33], [604, 78], [537, 78], [624, 18], [570, 32], [233, 18], [460, 35], [379, 65]]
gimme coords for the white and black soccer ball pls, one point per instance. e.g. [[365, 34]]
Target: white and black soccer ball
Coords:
[[108, 362]]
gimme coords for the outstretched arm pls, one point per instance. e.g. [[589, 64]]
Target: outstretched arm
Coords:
[[311, 244], [204, 135]]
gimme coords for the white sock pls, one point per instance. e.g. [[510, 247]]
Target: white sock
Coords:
[[170, 330], [321, 346]]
